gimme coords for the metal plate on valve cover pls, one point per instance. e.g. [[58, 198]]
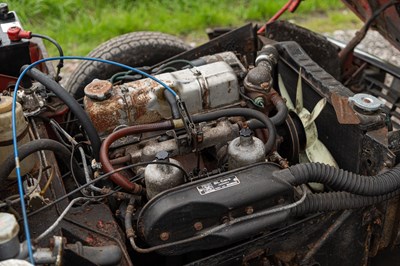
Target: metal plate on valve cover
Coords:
[[217, 185]]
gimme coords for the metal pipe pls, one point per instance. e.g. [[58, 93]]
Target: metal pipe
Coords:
[[118, 178]]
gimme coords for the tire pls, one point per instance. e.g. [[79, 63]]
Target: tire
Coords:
[[134, 49]]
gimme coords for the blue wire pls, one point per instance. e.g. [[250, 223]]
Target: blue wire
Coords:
[[14, 127]]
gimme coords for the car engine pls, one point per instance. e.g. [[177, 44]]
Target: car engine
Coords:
[[272, 148]]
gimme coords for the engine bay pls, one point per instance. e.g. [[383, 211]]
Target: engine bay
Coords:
[[251, 149]]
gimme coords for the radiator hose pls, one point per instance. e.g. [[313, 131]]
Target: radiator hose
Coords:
[[336, 201], [341, 180]]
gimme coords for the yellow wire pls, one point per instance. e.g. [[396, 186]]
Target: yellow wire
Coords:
[[48, 181]]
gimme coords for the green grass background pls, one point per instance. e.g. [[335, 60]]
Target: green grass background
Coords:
[[81, 25]]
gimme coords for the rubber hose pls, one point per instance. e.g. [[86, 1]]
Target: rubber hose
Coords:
[[248, 113], [335, 201], [278, 118], [56, 44], [281, 108], [37, 145], [342, 180], [172, 104], [73, 105], [118, 178]]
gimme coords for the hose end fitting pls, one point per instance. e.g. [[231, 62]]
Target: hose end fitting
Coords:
[[268, 53]]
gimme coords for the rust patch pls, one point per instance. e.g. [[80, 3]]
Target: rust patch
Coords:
[[92, 240], [98, 89], [128, 105], [100, 224], [380, 135], [344, 113], [107, 114], [286, 257], [140, 100]]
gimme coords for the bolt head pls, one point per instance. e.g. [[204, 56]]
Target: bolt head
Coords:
[[249, 210], [164, 236], [198, 226]]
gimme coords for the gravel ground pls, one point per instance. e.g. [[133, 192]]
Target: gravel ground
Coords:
[[373, 43]]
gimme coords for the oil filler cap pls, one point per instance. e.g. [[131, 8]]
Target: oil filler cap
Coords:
[[366, 102], [98, 90]]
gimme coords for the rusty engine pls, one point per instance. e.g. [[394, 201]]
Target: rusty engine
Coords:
[[245, 150]]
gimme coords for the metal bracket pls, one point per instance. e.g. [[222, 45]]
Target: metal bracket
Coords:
[[187, 121]]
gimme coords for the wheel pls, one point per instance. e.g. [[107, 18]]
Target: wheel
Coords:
[[133, 49]]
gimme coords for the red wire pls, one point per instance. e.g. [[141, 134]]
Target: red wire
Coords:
[[291, 5]]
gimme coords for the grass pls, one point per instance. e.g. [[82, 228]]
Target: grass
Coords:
[[329, 22], [81, 25]]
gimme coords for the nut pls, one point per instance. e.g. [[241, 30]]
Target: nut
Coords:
[[225, 219], [164, 236], [98, 90], [249, 210], [198, 226]]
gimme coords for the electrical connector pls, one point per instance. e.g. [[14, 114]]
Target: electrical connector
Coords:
[[15, 34]]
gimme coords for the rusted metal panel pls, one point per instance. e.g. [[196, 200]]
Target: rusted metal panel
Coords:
[[344, 113]]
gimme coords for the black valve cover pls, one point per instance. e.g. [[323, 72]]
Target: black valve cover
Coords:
[[194, 208]]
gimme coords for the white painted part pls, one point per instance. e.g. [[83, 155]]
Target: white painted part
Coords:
[[318, 152], [317, 110], [284, 93], [15, 262], [315, 149], [215, 83], [6, 134], [299, 94], [9, 227], [6, 26]]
